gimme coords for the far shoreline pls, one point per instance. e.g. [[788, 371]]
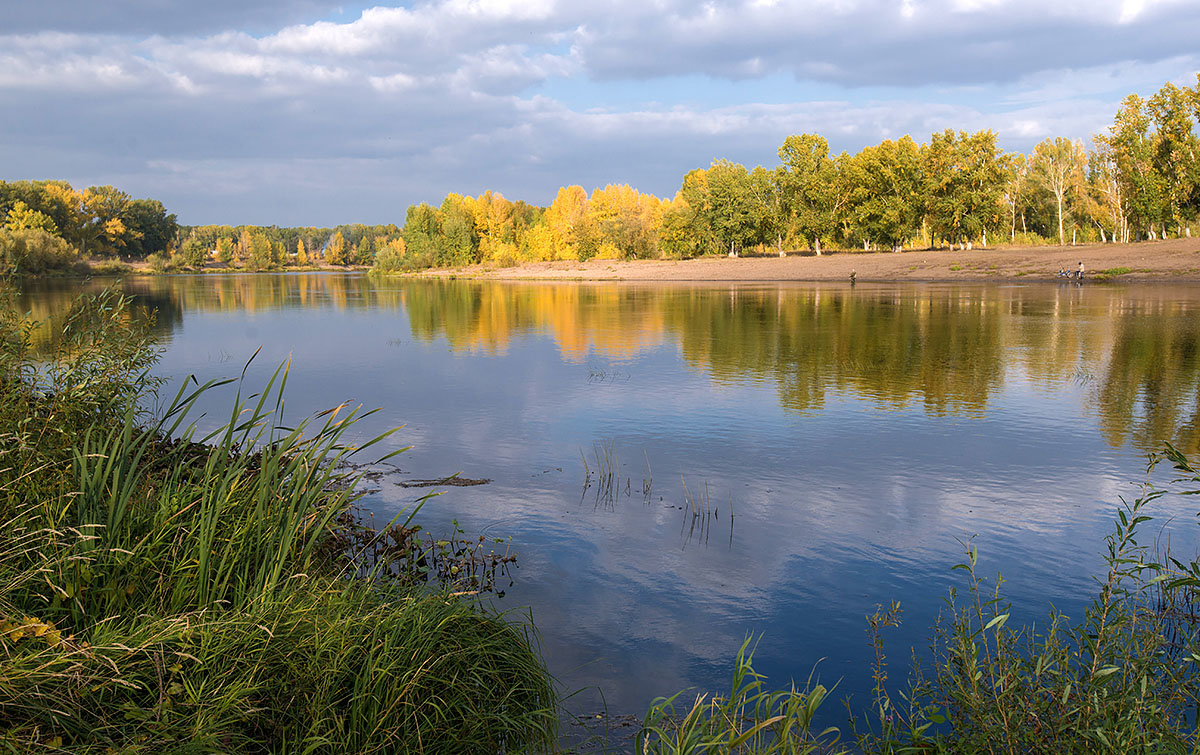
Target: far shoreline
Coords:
[[1174, 260]]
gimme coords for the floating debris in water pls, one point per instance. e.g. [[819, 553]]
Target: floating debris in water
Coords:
[[453, 481]]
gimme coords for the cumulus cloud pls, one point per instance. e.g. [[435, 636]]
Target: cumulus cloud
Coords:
[[294, 115]]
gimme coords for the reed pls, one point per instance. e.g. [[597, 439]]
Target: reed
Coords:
[[162, 591]]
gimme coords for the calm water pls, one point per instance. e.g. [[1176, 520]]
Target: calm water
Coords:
[[855, 435]]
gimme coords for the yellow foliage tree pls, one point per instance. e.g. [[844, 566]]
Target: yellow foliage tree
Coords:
[[224, 250], [301, 253], [627, 219], [336, 253], [493, 225], [564, 217], [22, 217], [539, 244]]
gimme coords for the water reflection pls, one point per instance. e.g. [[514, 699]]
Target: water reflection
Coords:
[[945, 348]]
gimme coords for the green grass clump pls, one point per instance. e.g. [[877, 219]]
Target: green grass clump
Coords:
[[752, 719], [1113, 272], [161, 591]]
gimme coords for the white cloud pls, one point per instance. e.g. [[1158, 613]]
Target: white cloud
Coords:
[[402, 104]]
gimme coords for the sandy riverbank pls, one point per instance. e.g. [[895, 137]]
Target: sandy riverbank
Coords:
[[1176, 259]]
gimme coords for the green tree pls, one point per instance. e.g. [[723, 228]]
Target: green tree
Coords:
[[1175, 151], [1017, 189], [964, 181], [152, 228], [809, 187], [192, 253], [883, 204], [1133, 154], [1058, 166], [733, 210], [422, 234], [103, 229], [769, 206], [259, 254], [457, 240], [1104, 184]]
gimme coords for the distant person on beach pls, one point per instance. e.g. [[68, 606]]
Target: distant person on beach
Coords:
[[1079, 273]]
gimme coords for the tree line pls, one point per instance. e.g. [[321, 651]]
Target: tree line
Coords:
[[1138, 180]]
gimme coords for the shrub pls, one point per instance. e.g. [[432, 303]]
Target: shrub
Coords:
[[33, 251]]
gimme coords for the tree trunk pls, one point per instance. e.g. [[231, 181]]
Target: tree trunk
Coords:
[[1072, 237], [817, 246], [779, 244], [1060, 227]]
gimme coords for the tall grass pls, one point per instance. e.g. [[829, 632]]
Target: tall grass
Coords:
[[751, 719], [163, 591]]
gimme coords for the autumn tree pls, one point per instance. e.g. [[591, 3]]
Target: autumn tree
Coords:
[[225, 250], [390, 256], [538, 244], [626, 220], [566, 219], [23, 217], [336, 252], [301, 253]]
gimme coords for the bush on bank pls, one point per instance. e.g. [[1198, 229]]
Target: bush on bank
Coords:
[[163, 592], [33, 252]]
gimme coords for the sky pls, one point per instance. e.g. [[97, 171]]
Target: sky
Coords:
[[310, 112]]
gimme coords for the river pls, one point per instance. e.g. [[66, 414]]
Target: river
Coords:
[[787, 456]]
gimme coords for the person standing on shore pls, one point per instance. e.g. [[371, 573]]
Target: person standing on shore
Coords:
[[1079, 273]]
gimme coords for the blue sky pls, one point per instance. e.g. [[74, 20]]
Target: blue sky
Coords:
[[306, 112]]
